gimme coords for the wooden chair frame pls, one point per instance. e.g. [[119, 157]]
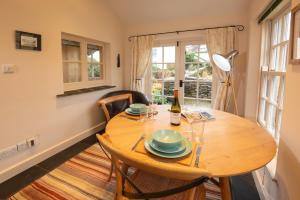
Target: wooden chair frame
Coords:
[[121, 175], [103, 102]]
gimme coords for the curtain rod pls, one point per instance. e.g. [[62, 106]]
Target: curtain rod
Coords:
[[238, 27], [268, 10]]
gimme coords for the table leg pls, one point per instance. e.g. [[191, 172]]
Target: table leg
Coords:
[[225, 188]]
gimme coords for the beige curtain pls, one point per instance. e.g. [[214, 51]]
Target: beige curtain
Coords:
[[141, 60], [220, 41]]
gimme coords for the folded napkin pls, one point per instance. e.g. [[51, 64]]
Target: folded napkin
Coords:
[[187, 160]]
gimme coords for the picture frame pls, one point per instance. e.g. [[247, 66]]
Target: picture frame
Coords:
[[28, 41], [295, 36]]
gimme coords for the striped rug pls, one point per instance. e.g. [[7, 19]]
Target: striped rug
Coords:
[[83, 177]]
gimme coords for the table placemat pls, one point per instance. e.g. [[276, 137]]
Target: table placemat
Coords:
[[187, 160]]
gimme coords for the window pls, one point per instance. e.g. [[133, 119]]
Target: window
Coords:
[[273, 71], [83, 62], [163, 73], [187, 62]]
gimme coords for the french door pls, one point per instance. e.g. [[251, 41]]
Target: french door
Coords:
[[185, 66]]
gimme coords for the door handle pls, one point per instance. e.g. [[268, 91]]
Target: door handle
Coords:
[[181, 82]]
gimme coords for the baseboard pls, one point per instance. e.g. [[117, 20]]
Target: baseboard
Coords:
[[37, 158], [263, 194]]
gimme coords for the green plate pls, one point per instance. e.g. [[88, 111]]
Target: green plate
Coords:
[[188, 149]]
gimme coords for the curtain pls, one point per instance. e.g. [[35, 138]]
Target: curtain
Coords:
[[220, 41], [141, 60]]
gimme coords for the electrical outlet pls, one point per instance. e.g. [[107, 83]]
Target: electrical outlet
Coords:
[[8, 68], [22, 146], [32, 141], [9, 151]]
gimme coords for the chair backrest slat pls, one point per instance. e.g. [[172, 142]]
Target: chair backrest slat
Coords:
[[103, 102]]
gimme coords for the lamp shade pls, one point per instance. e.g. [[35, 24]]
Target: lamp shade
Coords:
[[221, 62]]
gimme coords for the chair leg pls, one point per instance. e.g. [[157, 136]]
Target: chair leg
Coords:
[[202, 192], [111, 171]]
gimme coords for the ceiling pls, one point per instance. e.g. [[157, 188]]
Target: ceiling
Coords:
[[143, 11]]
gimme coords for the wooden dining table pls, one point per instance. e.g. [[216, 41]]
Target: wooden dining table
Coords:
[[232, 145]]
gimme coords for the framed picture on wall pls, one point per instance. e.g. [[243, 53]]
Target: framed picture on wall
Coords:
[[295, 36], [28, 41]]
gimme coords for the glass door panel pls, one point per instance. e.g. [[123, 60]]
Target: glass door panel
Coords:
[[196, 76], [163, 73], [188, 63]]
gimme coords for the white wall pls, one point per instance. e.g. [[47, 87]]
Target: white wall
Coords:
[[28, 103], [285, 186], [199, 22]]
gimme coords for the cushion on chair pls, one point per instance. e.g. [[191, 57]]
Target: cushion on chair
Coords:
[[119, 106]]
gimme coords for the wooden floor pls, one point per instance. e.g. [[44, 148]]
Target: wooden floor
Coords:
[[243, 187]]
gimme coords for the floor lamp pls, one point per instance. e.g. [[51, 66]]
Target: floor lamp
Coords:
[[226, 63]]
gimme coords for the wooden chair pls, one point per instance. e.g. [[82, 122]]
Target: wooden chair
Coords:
[[147, 178], [110, 100]]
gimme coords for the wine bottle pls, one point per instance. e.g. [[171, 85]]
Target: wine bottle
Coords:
[[175, 114]]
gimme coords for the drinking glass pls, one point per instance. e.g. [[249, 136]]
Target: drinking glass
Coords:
[[144, 115], [198, 131], [190, 117]]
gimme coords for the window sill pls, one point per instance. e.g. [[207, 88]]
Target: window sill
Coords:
[[84, 90]]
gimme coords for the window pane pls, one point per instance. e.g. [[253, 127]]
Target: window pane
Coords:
[[204, 91], [274, 58], [188, 101], [159, 99], [71, 50], [157, 88], [262, 111], [94, 53], [157, 72], [283, 54], [169, 54], [169, 88], [286, 29], [169, 72], [205, 71], [191, 71], [94, 71], [275, 32], [275, 87], [71, 72], [203, 57], [157, 55], [203, 48], [264, 82], [190, 89], [280, 31], [271, 118], [192, 53]]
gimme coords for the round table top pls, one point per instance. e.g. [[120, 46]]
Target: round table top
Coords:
[[232, 145]]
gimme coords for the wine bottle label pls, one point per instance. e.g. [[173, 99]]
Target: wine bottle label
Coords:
[[175, 118]]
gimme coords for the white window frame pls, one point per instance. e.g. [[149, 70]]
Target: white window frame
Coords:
[[85, 82], [268, 72]]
